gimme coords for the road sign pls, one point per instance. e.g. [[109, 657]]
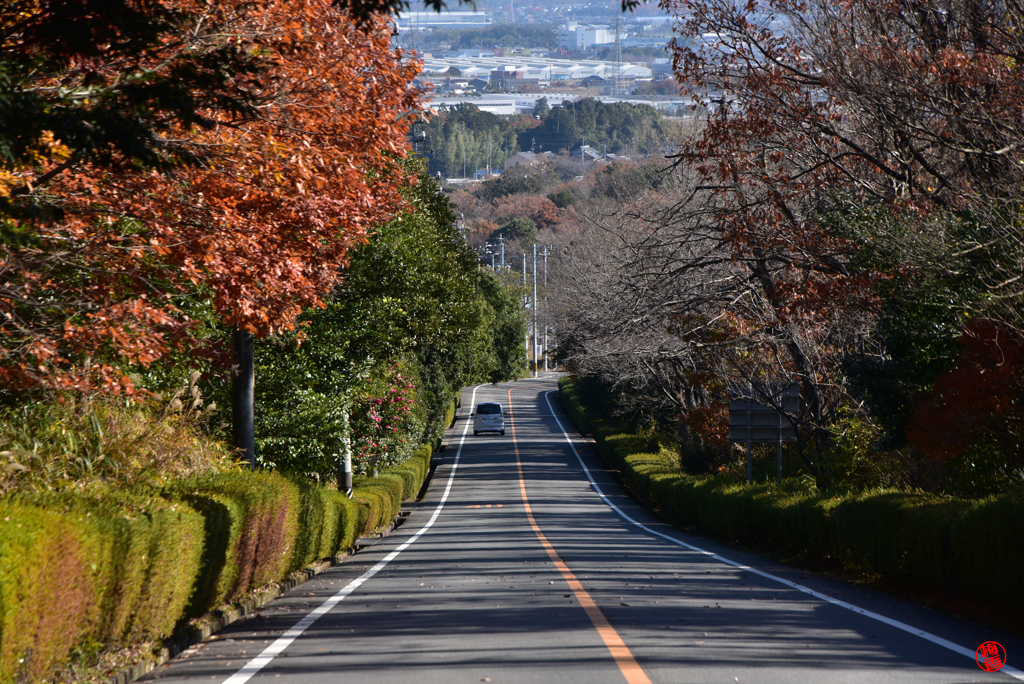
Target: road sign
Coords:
[[759, 412]]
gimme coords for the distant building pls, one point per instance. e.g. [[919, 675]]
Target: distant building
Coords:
[[462, 86], [527, 159], [505, 79], [576, 38], [586, 153], [428, 19], [500, 107]]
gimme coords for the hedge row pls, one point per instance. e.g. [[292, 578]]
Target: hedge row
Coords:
[[111, 568], [958, 547]]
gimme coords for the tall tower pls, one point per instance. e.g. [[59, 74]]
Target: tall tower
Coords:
[[617, 69]]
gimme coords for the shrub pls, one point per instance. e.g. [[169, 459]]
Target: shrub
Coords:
[[252, 524], [938, 543], [383, 496], [380, 498], [322, 524], [413, 471], [99, 566], [563, 198], [988, 543], [47, 589], [56, 445], [92, 567]]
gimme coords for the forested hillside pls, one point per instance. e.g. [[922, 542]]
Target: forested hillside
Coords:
[[465, 139]]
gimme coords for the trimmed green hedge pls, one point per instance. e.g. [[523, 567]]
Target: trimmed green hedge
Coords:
[[252, 524], [115, 568], [953, 546], [108, 567]]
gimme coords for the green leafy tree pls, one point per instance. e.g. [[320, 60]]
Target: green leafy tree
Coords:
[[618, 126], [518, 229], [563, 198], [512, 182], [412, 303]]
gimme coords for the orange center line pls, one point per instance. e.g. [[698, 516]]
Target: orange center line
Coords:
[[631, 670]]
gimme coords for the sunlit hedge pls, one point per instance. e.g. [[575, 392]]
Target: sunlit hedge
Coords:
[[954, 546], [110, 567]]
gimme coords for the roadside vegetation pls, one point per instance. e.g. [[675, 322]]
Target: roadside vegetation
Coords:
[[850, 224], [959, 553], [169, 176], [841, 210]]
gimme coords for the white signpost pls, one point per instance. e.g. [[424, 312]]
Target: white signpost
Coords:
[[759, 412]]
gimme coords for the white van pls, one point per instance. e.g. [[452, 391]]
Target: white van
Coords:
[[488, 417]]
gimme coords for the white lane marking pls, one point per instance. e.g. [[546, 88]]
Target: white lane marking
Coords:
[[956, 648], [275, 649]]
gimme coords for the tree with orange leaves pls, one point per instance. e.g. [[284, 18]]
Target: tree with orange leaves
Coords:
[[156, 152]]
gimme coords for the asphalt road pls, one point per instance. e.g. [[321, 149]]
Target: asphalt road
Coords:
[[514, 568]]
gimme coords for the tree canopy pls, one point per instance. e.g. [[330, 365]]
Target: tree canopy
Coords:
[[847, 217], [171, 151], [412, 301]]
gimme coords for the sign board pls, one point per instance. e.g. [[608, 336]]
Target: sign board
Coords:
[[757, 412]]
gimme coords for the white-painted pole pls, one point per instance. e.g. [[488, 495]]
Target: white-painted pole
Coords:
[[545, 309], [535, 310]]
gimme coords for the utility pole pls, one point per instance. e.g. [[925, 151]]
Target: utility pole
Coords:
[[243, 386], [501, 241], [524, 297], [535, 309], [545, 308]]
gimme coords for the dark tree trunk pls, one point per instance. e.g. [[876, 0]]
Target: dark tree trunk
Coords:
[[242, 397]]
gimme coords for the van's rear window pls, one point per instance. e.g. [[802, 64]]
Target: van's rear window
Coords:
[[488, 408]]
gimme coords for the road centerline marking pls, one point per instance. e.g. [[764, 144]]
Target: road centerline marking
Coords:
[[630, 669], [284, 641]]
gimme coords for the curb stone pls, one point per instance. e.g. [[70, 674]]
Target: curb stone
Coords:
[[221, 618], [226, 615]]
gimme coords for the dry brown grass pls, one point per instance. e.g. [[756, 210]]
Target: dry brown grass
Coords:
[[52, 445]]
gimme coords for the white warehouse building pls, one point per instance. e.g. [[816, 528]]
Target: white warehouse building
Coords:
[[427, 19], [576, 38]]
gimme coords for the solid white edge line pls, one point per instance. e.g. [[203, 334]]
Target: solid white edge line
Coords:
[[282, 642], [956, 648]]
